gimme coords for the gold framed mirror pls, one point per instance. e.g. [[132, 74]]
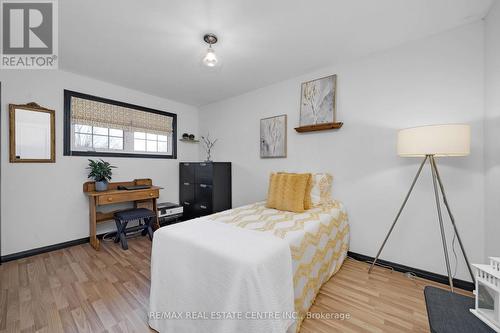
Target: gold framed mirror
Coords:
[[32, 137]]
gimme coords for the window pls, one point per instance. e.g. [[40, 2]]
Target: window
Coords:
[[95, 126], [151, 142], [92, 137]]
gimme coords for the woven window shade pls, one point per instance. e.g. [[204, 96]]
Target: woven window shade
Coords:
[[92, 113]]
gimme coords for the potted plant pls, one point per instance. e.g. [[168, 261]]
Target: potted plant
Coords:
[[100, 172]]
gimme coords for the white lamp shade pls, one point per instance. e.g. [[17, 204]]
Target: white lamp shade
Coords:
[[437, 140]]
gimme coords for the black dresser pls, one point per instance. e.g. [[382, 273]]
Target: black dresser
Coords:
[[204, 188]]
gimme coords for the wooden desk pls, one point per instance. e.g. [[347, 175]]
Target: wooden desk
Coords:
[[140, 198]]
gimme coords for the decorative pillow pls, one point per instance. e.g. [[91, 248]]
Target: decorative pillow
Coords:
[[307, 195], [321, 192], [273, 191], [287, 191]]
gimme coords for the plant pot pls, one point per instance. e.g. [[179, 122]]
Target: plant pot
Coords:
[[101, 186]]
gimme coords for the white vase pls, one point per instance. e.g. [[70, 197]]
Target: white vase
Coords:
[[101, 186]]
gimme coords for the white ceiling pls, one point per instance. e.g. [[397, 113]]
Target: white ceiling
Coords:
[[156, 46]]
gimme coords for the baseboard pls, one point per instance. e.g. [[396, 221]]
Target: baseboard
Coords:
[[43, 249], [49, 248], [462, 284]]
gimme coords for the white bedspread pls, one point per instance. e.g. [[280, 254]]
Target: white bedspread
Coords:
[[204, 271], [318, 240]]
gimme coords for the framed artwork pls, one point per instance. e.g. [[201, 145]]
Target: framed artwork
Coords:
[[317, 101], [273, 137]]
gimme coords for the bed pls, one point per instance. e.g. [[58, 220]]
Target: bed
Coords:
[[248, 269]]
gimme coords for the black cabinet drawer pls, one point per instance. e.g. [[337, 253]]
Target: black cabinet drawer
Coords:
[[204, 173], [187, 172], [189, 210], [204, 188], [202, 209], [187, 192], [203, 195]]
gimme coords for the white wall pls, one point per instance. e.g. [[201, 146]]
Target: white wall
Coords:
[[436, 80], [492, 131], [43, 204]]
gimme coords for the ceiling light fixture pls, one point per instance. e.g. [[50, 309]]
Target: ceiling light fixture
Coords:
[[210, 59]]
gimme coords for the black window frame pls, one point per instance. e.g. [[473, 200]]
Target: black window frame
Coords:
[[68, 94]]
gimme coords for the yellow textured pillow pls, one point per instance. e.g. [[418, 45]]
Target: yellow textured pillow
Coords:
[[294, 190], [307, 196], [273, 191], [287, 191]]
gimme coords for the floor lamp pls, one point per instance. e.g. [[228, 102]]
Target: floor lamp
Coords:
[[430, 142]]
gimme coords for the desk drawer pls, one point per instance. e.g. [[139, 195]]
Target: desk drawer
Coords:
[[127, 196]]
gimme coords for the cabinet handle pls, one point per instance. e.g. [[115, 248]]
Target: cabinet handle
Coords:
[[151, 194], [187, 184], [187, 203], [203, 164], [203, 207], [110, 199], [203, 185], [186, 164]]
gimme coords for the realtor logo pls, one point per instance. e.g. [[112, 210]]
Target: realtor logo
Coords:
[[29, 34]]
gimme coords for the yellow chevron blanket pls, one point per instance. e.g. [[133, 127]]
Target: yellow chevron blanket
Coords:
[[318, 239]]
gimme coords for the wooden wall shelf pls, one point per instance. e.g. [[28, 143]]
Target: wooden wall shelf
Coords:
[[189, 140], [319, 127]]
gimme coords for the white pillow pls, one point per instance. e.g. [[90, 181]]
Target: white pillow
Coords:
[[321, 192]]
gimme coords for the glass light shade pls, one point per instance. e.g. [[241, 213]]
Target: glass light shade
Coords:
[[437, 140], [210, 58]]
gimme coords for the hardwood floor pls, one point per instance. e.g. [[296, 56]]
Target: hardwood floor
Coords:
[[80, 290], [384, 301]]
